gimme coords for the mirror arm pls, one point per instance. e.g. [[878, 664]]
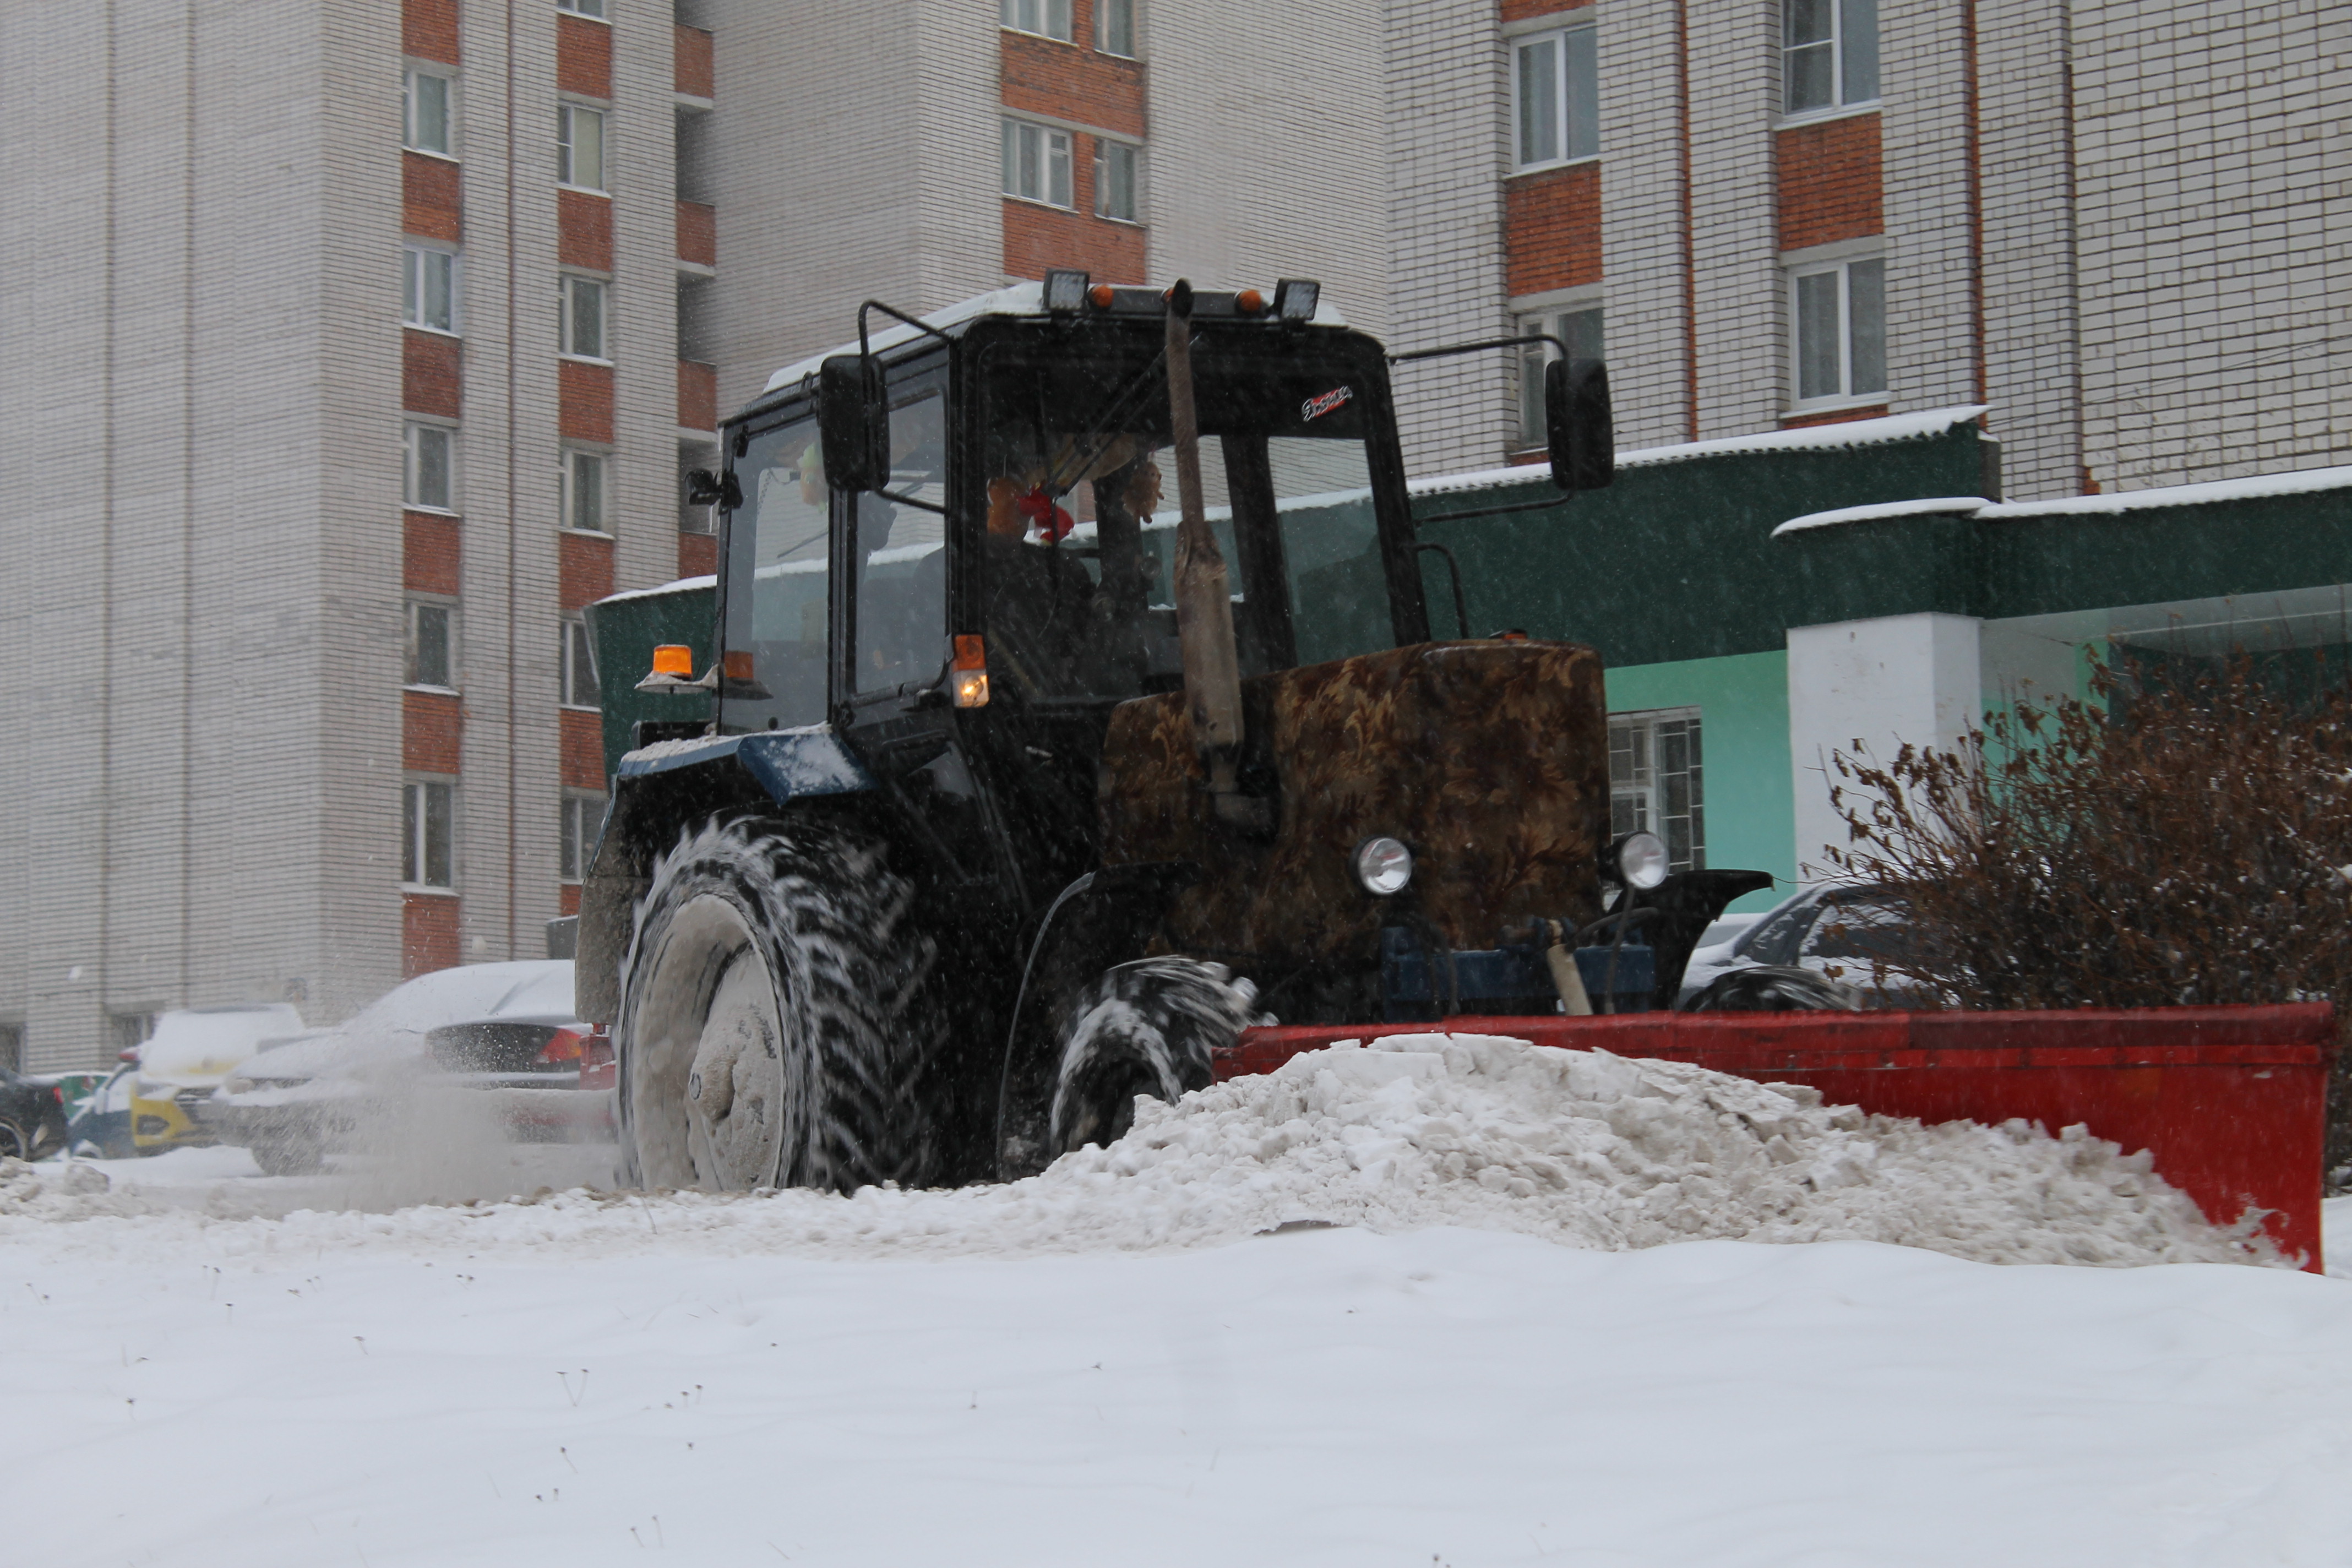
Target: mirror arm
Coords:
[[1461, 604], [866, 351], [1544, 505], [1480, 347]]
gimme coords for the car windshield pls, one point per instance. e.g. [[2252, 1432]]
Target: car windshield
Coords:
[[1082, 512]]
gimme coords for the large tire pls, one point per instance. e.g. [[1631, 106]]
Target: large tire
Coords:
[[1145, 1027], [13, 1144], [778, 1022]]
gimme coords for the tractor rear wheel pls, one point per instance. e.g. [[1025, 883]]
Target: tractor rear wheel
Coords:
[[1145, 1027], [779, 1020]]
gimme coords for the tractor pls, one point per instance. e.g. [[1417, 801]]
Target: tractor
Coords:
[[1071, 705]]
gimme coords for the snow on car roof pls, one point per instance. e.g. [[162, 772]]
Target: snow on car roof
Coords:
[[453, 996], [207, 1040]]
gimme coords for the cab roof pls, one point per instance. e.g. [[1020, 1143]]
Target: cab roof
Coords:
[[1023, 298]]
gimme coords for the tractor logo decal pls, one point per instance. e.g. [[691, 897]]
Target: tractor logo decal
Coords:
[[1316, 407]]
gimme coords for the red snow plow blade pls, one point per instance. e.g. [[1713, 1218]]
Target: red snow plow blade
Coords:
[[2231, 1101]]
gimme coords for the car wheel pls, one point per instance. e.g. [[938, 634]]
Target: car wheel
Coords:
[[779, 1016], [289, 1156], [13, 1144]]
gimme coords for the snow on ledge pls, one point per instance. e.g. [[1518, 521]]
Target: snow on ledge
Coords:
[[1810, 437], [1963, 506], [682, 585], [2297, 482]]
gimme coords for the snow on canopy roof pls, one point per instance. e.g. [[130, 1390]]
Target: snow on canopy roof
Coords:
[[2299, 481], [1963, 506], [682, 585], [1810, 438], [1023, 298]]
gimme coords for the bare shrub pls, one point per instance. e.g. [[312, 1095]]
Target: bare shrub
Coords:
[[2167, 843]]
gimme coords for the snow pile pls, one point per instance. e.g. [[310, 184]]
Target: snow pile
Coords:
[[1581, 1148]]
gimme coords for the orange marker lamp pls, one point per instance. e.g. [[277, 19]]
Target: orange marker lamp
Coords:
[[674, 659], [968, 674]]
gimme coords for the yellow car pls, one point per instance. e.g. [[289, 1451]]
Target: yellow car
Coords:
[[192, 1050]]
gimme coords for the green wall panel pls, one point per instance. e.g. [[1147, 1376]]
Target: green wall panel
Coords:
[[1743, 703]]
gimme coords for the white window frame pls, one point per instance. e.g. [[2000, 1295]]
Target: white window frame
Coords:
[[1052, 141], [1104, 43], [1642, 784], [569, 286], [1849, 393], [1843, 17], [567, 142], [581, 820], [1106, 149], [591, 9], [574, 653], [416, 435], [417, 260], [1551, 318], [1562, 150], [418, 792], [409, 137], [1038, 18], [568, 489], [415, 609]]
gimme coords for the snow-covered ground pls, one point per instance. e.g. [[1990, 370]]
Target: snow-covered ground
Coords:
[[1164, 1353]]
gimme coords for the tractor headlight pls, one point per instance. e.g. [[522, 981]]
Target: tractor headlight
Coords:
[[1383, 865], [1638, 860]]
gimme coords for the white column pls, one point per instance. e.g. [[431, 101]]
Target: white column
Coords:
[[1872, 687]]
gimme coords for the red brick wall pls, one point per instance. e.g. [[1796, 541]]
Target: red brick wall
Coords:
[[428, 933], [698, 233], [583, 55], [583, 569], [432, 198], [698, 395], [698, 554], [428, 29], [1039, 76], [429, 552], [1037, 238], [1829, 182], [1551, 229], [1520, 10], [585, 392], [583, 749], [431, 725], [432, 374], [1837, 416], [567, 898], [690, 62], [584, 230]]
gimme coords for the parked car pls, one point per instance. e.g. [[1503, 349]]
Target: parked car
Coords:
[[504, 1029], [1846, 933], [32, 1117], [148, 1104]]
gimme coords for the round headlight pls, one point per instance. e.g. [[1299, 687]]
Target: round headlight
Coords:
[[1383, 865], [1641, 860]]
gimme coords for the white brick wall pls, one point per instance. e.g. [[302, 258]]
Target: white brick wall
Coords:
[[1930, 334], [1735, 94], [1646, 319]]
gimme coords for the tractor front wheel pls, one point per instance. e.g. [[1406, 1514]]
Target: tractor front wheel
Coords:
[[1144, 1028], [779, 1020]]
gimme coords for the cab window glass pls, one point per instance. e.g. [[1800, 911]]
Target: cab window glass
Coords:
[[776, 573], [902, 582], [1331, 546]]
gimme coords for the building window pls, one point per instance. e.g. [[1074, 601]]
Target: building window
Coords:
[[578, 665], [582, 7], [582, 313], [1037, 163], [580, 146], [428, 285], [1578, 326], [1654, 783], [1050, 19], [432, 642], [584, 819], [587, 487], [124, 1030], [1839, 314], [1556, 83], [1115, 180], [429, 466], [425, 101], [1115, 27], [12, 1047], [425, 822], [1829, 54]]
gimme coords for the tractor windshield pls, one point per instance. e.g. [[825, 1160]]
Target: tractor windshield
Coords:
[[1080, 539]]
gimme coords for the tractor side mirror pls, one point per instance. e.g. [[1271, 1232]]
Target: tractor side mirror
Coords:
[[853, 414], [1577, 424]]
